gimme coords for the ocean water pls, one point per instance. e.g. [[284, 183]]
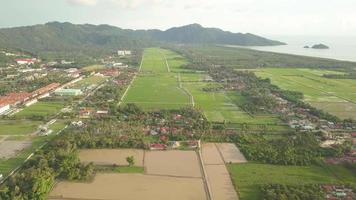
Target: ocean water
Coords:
[[341, 48]]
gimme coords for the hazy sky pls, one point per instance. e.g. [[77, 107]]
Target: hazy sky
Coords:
[[264, 17]]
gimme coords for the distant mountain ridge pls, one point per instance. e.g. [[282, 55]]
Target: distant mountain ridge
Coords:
[[56, 36]]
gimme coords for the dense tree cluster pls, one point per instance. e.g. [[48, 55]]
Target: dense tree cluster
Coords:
[[289, 192], [351, 75], [206, 56], [35, 179], [292, 150]]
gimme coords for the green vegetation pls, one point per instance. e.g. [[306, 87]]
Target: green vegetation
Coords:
[[88, 81], [18, 127], [155, 87], [129, 169], [305, 192], [336, 96], [249, 177], [289, 150], [6, 166], [91, 68], [242, 58], [131, 161], [66, 40], [36, 178], [41, 109]]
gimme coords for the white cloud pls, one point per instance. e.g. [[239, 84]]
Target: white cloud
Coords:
[[83, 2], [132, 4]]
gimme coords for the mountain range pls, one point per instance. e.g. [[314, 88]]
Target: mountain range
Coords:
[[56, 36]]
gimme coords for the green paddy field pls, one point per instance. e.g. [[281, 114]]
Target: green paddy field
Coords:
[[163, 83], [336, 96]]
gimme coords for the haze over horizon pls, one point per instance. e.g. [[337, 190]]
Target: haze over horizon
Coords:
[[272, 17]]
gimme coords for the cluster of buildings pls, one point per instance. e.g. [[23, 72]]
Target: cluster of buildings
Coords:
[[26, 61], [172, 145], [349, 157], [86, 113], [26, 98], [334, 192], [124, 52]]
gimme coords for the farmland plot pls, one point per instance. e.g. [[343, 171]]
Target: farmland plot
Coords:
[[336, 96], [156, 87]]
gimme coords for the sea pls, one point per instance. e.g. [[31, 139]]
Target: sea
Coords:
[[341, 47]]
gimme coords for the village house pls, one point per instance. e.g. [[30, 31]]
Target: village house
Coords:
[[85, 113], [26, 61], [157, 146], [4, 108], [123, 52]]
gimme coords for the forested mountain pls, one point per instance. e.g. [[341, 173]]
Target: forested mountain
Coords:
[[195, 33], [67, 37]]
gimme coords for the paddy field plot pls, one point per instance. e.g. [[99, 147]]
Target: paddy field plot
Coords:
[[336, 96], [220, 106], [156, 87], [111, 156], [91, 68], [131, 187], [248, 177], [217, 175], [18, 127], [9, 149], [171, 175], [172, 163], [42, 109], [230, 153], [88, 81]]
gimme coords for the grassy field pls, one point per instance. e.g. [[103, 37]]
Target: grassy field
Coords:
[[126, 169], [93, 68], [337, 96], [58, 125], [18, 127], [155, 87], [6, 166], [88, 81], [160, 86], [249, 176], [42, 108]]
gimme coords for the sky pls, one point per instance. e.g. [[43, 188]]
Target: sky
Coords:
[[263, 17]]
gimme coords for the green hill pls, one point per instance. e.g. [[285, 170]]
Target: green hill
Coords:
[[92, 39]]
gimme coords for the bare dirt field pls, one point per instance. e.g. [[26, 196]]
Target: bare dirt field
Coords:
[[218, 178], [211, 155], [220, 183], [9, 149], [230, 153], [111, 156], [173, 163], [131, 187]]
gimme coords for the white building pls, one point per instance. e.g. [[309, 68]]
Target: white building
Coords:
[[4, 108], [123, 52], [26, 61]]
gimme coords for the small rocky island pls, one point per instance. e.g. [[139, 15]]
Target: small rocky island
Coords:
[[320, 46]]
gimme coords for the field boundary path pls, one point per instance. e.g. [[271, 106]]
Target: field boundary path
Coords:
[[133, 79], [191, 98], [216, 174], [206, 182], [167, 64]]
